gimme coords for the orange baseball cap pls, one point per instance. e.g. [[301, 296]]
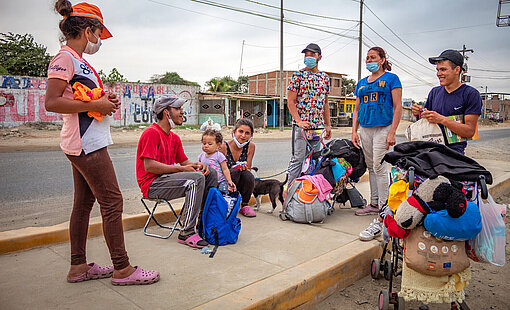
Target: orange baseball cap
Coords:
[[85, 9]]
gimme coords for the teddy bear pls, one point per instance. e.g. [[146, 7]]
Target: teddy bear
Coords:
[[434, 194]]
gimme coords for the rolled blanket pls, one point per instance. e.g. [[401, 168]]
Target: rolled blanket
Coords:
[[430, 289]]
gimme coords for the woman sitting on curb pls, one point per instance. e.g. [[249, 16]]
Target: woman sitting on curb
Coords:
[[239, 153]]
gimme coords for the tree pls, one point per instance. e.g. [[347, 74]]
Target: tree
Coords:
[[112, 78], [350, 84], [171, 78], [242, 84], [21, 55], [228, 84]]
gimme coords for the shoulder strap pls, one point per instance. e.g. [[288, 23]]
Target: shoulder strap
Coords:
[[230, 157], [244, 153]]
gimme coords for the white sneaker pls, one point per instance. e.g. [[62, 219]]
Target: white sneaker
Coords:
[[371, 231]]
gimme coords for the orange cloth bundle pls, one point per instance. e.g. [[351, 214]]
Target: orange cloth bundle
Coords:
[[83, 93]]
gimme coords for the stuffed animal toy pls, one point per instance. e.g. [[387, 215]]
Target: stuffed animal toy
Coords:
[[434, 194]]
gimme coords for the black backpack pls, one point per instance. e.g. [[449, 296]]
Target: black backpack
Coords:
[[337, 148]]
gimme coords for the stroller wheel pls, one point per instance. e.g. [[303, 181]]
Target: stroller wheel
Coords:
[[384, 300], [330, 208], [401, 304], [388, 270], [375, 269]]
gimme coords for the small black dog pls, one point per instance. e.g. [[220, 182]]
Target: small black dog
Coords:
[[272, 187]]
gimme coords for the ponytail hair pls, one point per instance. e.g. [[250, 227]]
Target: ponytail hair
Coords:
[[386, 64], [72, 26]]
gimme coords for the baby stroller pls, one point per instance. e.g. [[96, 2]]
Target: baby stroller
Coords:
[[414, 162]]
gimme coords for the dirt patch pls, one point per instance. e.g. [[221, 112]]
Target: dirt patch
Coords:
[[488, 288]]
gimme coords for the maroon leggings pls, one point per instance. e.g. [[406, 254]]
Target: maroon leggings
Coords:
[[94, 178]]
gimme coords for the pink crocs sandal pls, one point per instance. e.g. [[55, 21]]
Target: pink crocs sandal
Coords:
[[95, 272], [247, 211], [139, 277], [194, 241]]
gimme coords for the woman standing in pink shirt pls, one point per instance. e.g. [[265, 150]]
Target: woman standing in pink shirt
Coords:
[[84, 140]]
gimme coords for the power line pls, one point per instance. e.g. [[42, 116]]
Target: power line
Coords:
[[286, 46], [412, 59], [303, 13], [447, 29], [396, 35], [255, 13], [401, 67], [247, 12], [209, 15], [488, 70], [338, 50], [299, 57], [490, 78], [330, 27]]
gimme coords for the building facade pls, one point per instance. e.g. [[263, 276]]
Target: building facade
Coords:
[[268, 84], [496, 106]]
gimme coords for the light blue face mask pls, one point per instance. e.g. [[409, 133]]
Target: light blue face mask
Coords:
[[372, 66], [310, 62]]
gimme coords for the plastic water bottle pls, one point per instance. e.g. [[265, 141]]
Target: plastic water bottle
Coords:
[[231, 202]]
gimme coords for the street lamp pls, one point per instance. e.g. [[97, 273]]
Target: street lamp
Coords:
[[484, 102]]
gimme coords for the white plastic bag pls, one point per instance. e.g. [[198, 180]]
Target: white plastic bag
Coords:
[[423, 130], [489, 245]]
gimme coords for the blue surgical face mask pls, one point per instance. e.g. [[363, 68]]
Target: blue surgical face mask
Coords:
[[372, 66], [310, 62]]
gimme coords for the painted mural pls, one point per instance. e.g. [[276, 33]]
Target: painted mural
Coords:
[[22, 101]]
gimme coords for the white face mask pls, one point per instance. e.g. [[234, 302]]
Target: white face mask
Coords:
[[239, 144], [92, 48], [171, 122]]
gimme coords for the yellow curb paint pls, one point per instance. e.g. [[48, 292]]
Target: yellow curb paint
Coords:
[[501, 185], [33, 237]]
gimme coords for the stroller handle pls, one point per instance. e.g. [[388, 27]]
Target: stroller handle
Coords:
[[411, 178], [483, 187]]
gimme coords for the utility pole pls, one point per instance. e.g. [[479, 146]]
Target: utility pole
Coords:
[[360, 39], [241, 62], [464, 50], [485, 104], [282, 121]]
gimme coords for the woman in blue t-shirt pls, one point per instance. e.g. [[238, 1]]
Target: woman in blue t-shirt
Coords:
[[377, 112]]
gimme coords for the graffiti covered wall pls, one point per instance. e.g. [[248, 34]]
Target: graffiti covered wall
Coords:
[[22, 101]]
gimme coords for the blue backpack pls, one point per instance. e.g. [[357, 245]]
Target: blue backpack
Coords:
[[219, 225], [466, 227]]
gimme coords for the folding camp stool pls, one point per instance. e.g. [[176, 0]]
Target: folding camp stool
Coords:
[[152, 217]]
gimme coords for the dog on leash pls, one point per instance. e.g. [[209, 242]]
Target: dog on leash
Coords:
[[271, 186]]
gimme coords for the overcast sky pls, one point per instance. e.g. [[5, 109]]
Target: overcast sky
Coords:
[[201, 41]]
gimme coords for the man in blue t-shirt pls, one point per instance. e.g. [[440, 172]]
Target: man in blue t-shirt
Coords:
[[451, 98]]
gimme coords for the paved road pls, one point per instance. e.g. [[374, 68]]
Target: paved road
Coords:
[[36, 187], [35, 175]]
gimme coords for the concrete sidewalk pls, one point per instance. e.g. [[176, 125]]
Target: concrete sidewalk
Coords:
[[274, 265]]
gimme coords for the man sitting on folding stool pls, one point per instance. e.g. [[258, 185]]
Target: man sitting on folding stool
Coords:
[[159, 150]]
